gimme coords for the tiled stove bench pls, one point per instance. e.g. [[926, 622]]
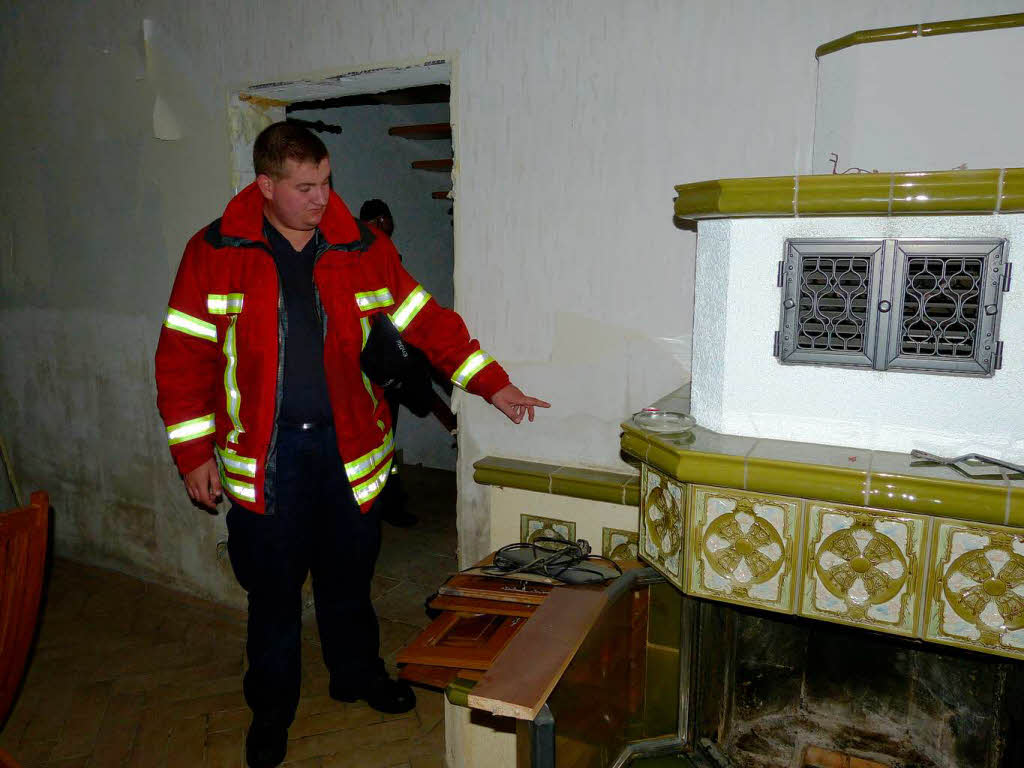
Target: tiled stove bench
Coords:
[[869, 539]]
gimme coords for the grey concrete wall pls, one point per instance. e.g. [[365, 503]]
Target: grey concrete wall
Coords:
[[573, 120]]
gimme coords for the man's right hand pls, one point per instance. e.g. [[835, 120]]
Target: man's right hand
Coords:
[[203, 485]]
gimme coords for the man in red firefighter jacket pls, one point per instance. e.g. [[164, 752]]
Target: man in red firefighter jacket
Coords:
[[263, 396]]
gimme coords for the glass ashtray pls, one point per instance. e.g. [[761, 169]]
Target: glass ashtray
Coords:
[[657, 420]]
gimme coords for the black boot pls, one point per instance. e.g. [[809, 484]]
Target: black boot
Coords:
[[265, 744], [381, 693]]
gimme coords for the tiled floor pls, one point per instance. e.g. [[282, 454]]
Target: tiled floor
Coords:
[[132, 674]]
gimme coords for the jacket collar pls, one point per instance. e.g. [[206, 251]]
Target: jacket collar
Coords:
[[243, 219]]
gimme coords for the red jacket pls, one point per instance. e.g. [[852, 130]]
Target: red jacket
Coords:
[[220, 360]]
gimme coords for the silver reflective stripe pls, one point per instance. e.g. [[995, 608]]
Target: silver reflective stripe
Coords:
[[239, 465], [364, 323], [224, 303], [373, 299], [232, 394], [193, 326], [368, 491], [357, 468], [411, 307], [191, 429], [470, 368]]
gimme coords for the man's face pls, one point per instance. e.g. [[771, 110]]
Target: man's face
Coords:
[[299, 198]]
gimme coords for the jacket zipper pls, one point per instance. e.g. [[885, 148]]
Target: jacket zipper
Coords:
[[270, 466]]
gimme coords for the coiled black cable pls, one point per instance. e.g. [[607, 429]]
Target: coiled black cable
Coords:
[[553, 558]]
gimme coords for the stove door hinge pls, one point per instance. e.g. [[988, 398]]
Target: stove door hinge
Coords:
[[999, 355], [778, 276], [775, 345], [1006, 277]]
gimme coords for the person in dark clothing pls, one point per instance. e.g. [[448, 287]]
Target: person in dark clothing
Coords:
[[261, 388], [394, 498]]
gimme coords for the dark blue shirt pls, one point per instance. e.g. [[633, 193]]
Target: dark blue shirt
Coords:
[[305, 397]]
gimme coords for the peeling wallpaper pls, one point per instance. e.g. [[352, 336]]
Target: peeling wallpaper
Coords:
[[573, 120]]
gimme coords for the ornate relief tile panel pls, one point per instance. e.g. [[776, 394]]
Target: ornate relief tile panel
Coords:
[[863, 567], [662, 515], [741, 547], [532, 527], [619, 545], [976, 588]]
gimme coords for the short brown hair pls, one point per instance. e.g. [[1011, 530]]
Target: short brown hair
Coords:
[[280, 141]]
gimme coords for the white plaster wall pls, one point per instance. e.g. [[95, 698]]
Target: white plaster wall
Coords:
[[368, 163], [925, 103], [573, 120], [746, 391]]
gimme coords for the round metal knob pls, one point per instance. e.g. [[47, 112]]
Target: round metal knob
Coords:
[[884, 306], [990, 309], [789, 303]]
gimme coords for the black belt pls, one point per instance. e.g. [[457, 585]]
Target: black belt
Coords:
[[306, 426]]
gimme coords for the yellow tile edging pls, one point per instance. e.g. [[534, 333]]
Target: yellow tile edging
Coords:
[[925, 29], [593, 484], [896, 193]]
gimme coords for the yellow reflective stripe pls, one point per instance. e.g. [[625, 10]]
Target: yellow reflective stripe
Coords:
[[470, 368], [367, 491], [411, 307], [357, 468], [233, 396], [239, 465], [237, 488], [373, 299], [224, 303], [191, 429], [364, 323], [193, 326]]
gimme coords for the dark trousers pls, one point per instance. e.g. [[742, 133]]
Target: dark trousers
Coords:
[[316, 527]]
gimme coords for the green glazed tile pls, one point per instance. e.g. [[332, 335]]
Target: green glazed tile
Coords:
[[715, 570], [834, 456], [661, 702], [941, 498], [767, 196], [960, 614], [709, 469], [514, 473], [978, 24], [631, 494], [665, 624], [865, 36], [849, 193], [634, 446], [532, 526], [706, 441], [1015, 507], [890, 599], [945, 191], [596, 484], [1013, 191], [901, 482], [926, 29], [458, 691], [844, 486], [699, 200]]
